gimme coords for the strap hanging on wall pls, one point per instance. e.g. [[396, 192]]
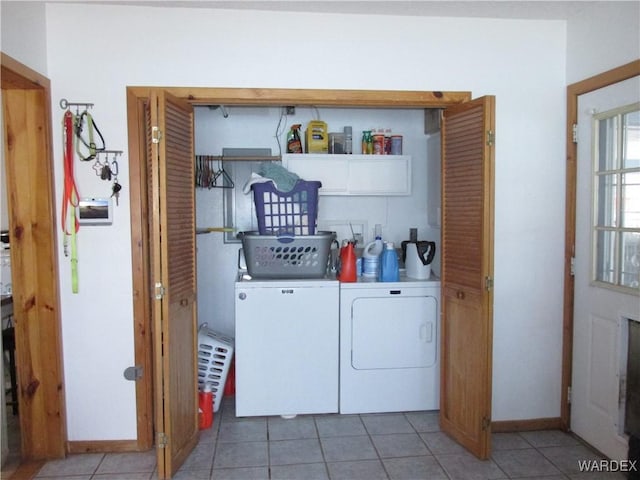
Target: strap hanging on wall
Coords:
[[81, 136], [70, 199]]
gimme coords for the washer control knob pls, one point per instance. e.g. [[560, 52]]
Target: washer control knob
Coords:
[[242, 295]]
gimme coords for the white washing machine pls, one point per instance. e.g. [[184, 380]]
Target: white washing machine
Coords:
[[390, 346], [286, 346]]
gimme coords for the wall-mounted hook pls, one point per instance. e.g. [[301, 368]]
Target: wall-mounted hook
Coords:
[[64, 104]]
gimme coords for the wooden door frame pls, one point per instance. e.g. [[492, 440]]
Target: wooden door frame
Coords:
[[574, 90], [32, 220], [136, 98]]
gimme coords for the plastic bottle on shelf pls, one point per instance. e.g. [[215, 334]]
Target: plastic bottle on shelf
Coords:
[[348, 140], [294, 143], [367, 142], [389, 268], [387, 141], [205, 404]]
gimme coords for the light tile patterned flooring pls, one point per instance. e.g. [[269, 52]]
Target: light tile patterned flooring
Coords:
[[378, 446]]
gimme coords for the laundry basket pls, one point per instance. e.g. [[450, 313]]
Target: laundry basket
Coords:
[[214, 359], [271, 256], [286, 213]]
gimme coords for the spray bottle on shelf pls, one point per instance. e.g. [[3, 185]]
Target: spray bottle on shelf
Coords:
[[294, 143]]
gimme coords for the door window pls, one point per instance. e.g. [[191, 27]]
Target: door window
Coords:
[[616, 223]]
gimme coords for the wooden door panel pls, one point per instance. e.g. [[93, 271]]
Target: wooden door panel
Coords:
[[36, 312], [173, 268], [467, 270], [463, 380]]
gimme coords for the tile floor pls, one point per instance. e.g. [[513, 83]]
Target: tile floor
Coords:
[[377, 446]]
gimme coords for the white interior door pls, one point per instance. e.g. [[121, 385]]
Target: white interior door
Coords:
[[607, 253]]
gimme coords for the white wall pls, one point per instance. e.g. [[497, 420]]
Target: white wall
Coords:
[[602, 36], [254, 127], [23, 33], [521, 62]]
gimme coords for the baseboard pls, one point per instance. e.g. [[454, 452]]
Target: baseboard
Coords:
[[502, 426], [27, 470], [103, 446]]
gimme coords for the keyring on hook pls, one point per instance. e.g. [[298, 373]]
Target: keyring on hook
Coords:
[[114, 166], [97, 166]]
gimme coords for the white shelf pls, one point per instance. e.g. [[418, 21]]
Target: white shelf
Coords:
[[354, 174]]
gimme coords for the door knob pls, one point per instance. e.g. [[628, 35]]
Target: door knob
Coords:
[[460, 295]]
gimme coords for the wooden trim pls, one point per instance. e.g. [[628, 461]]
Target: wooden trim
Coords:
[[140, 267], [553, 423], [319, 98], [574, 90], [105, 446], [17, 76], [28, 157], [27, 470], [136, 98]]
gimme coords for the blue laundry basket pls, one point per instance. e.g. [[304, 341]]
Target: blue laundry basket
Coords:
[[290, 213]]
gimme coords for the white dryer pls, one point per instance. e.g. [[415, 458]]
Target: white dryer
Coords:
[[389, 346]]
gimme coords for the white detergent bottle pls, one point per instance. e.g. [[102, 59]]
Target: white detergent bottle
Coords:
[[371, 256]]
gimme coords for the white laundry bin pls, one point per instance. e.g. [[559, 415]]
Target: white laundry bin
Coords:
[[215, 352]]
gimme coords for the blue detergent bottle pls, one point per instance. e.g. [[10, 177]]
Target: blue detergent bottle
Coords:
[[389, 269]]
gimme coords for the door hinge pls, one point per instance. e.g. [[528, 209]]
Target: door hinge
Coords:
[[572, 266], [488, 283], [491, 137], [569, 394], [159, 291], [156, 134], [486, 423], [574, 133], [161, 440]]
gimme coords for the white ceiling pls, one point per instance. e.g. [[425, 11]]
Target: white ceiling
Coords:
[[546, 10]]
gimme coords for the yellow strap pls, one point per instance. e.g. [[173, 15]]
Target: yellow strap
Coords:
[[74, 252]]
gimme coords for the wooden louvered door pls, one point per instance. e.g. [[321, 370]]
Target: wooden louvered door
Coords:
[[467, 273], [173, 273]]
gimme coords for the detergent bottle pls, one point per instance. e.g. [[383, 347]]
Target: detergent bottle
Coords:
[[371, 255], [205, 404], [389, 268], [347, 263]]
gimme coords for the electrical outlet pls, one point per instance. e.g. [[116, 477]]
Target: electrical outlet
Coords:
[[290, 110]]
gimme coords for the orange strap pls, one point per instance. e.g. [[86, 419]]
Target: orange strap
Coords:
[[70, 193]]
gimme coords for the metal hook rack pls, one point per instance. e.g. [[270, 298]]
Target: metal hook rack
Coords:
[[109, 152], [64, 104]]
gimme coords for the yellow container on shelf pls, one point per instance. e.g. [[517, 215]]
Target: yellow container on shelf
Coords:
[[317, 138]]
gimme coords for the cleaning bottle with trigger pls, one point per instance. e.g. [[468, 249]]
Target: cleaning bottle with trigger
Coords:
[[371, 255], [294, 143]]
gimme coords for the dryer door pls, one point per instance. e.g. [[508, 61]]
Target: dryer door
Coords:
[[393, 332]]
